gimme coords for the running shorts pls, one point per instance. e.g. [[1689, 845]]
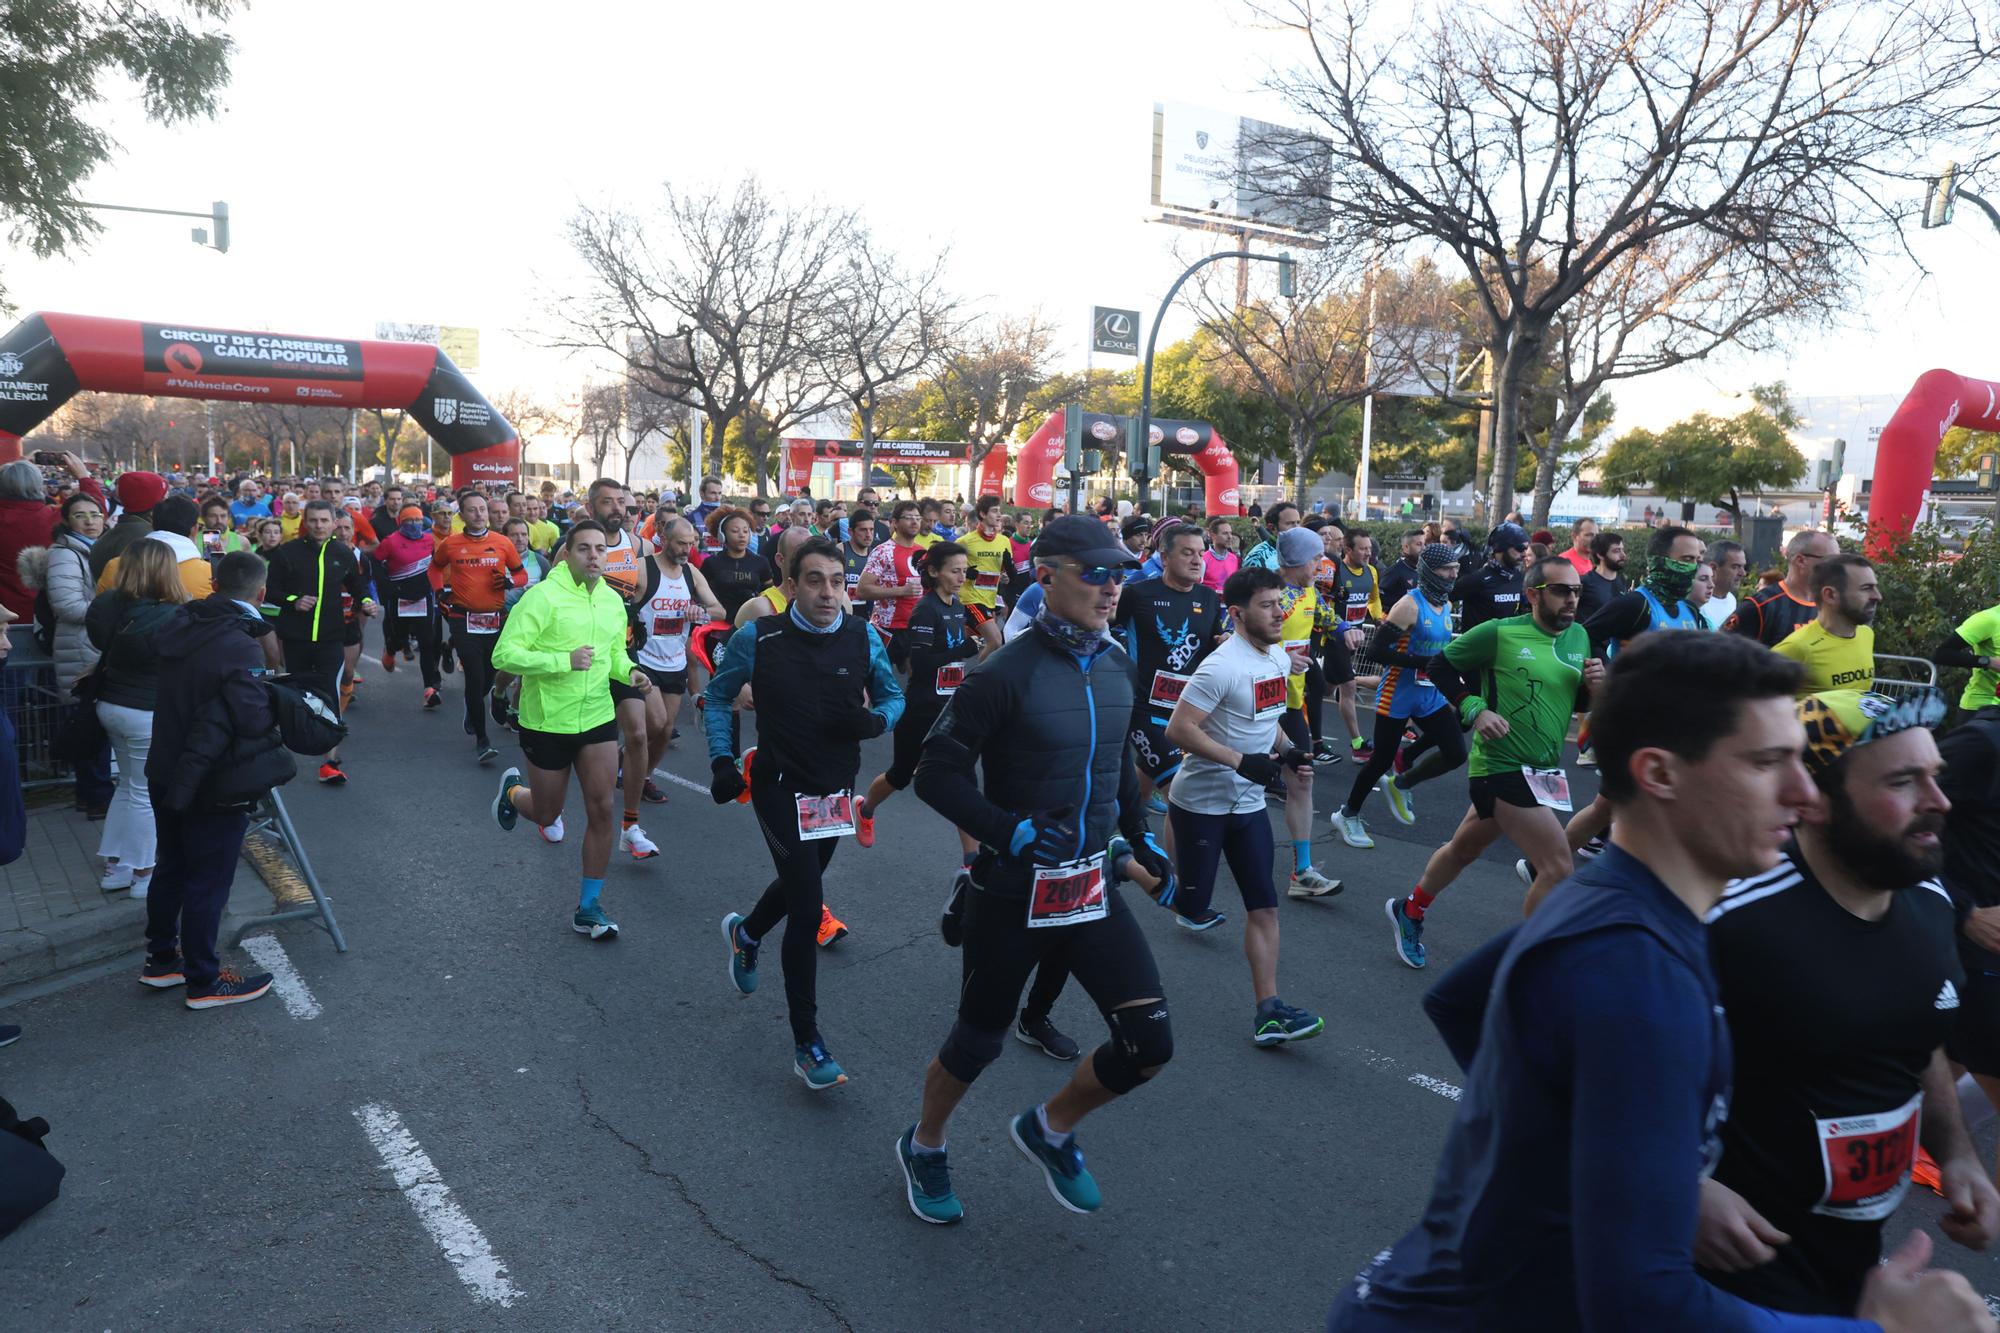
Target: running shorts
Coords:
[[1200, 844], [667, 682], [557, 750], [620, 692], [1158, 760], [1337, 662], [1494, 787], [1975, 1036]]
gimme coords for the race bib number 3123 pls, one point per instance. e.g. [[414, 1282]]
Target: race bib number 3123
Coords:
[[1867, 1160]]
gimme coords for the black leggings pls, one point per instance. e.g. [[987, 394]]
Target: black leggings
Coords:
[[795, 898], [475, 659], [398, 630], [1438, 729], [1315, 701]]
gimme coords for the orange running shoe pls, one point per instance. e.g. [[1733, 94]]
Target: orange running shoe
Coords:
[[1924, 1171], [831, 929], [743, 798], [864, 827]]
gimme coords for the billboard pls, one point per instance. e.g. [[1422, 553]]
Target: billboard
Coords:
[[1238, 168], [1114, 331]]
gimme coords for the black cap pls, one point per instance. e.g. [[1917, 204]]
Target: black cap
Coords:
[[1085, 540]]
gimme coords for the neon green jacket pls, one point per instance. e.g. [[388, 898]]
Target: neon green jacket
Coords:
[[552, 618]]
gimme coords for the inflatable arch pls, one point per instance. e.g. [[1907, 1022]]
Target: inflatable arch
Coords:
[[48, 358], [1035, 464], [801, 453], [1906, 454]]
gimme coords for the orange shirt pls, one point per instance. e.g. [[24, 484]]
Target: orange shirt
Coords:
[[471, 563]]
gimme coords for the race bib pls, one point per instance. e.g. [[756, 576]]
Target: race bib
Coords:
[[669, 627], [1069, 894], [1267, 698], [1422, 676], [1167, 687], [1867, 1160], [1550, 786], [1356, 614], [413, 608], [985, 580], [949, 677], [826, 816], [482, 622]]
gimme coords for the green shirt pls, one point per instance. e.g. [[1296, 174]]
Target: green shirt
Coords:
[[1526, 675], [1982, 632]]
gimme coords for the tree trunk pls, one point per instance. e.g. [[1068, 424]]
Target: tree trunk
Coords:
[[867, 413], [1301, 450], [1520, 354], [1545, 469], [1736, 513]]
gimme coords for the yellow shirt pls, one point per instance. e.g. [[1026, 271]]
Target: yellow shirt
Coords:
[[989, 561], [543, 536], [290, 524], [1297, 633], [1831, 662]]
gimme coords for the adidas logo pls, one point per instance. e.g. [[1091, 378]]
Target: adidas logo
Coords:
[[1527, 654], [1947, 997]]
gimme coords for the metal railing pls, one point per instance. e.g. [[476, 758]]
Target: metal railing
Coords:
[[1897, 676], [36, 706]]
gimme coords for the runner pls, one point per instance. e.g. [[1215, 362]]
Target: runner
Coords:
[[1971, 782], [890, 580], [677, 598], [735, 572], [1769, 615], [858, 541], [350, 614], [1566, 1194], [1039, 716], [1494, 589], [1672, 555], [1416, 630], [1605, 579], [1515, 681], [1579, 554], [566, 641], [802, 785], [1837, 648], [1298, 560], [480, 566], [1402, 578], [1226, 720], [1280, 519], [992, 559], [303, 574], [1358, 594], [1841, 982], [1730, 562], [1975, 646]]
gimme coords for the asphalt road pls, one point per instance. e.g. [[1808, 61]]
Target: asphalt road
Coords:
[[491, 1122]]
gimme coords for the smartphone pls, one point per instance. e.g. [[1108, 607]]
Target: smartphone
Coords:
[[50, 458]]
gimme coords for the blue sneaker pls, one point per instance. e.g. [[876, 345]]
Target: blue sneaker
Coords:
[[927, 1181], [816, 1067], [1156, 804], [504, 812], [1409, 934], [742, 957], [1278, 1022], [593, 922], [1208, 921], [1062, 1168]]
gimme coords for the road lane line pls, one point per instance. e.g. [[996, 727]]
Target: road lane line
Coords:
[[285, 978], [1390, 1064], [1437, 1085], [463, 1243], [690, 784]]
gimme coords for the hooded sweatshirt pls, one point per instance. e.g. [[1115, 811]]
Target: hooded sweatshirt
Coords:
[[215, 739]]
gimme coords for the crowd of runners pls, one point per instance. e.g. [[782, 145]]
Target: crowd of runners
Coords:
[[1700, 1075]]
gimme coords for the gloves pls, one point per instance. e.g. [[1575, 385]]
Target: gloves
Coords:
[[1148, 853], [856, 724], [727, 784], [1047, 839], [1261, 769], [1294, 757]]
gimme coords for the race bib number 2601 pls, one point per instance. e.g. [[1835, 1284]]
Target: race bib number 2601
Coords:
[[1069, 894]]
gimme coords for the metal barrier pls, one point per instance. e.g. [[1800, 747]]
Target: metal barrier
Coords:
[[1904, 675], [36, 707]]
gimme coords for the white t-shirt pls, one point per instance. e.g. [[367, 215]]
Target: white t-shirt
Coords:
[[668, 616], [1718, 608], [1242, 689]]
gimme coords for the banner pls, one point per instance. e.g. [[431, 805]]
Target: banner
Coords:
[[1115, 331]]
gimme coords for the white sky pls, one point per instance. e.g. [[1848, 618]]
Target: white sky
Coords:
[[416, 161]]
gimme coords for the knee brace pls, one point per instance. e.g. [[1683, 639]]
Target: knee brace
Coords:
[[1142, 1039], [968, 1050]]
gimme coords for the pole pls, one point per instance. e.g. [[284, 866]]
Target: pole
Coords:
[[214, 463], [353, 457], [1367, 405]]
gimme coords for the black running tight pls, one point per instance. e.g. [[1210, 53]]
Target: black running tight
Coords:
[[1439, 731]]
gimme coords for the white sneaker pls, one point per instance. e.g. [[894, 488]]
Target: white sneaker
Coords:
[[116, 876], [635, 841], [1352, 831], [140, 883], [551, 832], [1525, 871]]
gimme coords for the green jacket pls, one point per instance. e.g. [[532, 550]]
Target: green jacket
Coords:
[[552, 618]]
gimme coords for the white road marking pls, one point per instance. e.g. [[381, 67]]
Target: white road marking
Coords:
[[463, 1243], [1993, 1306], [1389, 1063], [1437, 1085], [285, 978], [689, 783]]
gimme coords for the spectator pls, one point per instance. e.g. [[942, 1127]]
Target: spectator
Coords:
[[270, 536], [13, 810], [216, 754], [174, 520], [251, 503], [137, 493], [216, 538], [71, 588], [27, 519], [121, 624]]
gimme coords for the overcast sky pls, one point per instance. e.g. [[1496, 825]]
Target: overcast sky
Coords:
[[411, 161]]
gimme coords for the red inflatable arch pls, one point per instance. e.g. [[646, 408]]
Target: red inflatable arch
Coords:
[[1906, 455], [49, 358], [1035, 464], [800, 454]]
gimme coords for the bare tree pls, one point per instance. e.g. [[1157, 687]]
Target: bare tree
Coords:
[[983, 384], [884, 325], [1541, 144], [648, 416], [601, 424], [713, 302]]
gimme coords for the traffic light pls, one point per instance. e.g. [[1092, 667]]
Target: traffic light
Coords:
[[1093, 462], [1287, 287], [1989, 464]]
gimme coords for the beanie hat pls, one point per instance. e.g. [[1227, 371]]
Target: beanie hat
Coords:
[[138, 492], [1299, 546]]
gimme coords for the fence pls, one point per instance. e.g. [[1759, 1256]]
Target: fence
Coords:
[[36, 706], [1900, 676]]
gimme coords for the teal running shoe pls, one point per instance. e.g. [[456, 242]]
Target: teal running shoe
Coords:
[[816, 1067], [504, 812], [1068, 1179], [742, 957], [593, 922], [1409, 934], [927, 1181]]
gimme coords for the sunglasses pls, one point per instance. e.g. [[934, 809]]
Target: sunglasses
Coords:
[[1100, 575], [631, 509], [1558, 589]]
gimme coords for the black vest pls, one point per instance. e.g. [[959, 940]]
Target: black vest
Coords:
[[799, 679]]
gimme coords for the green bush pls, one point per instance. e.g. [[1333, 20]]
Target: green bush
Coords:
[[1930, 583]]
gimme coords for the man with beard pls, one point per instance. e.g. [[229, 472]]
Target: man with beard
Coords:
[[1769, 615], [1605, 579], [1837, 648], [1840, 978], [1494, 589]]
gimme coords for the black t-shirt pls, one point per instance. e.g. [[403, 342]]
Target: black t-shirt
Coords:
[[1971, 781], [1769, 615], [938, 643], [1169, 631], [1397, 579], [735, 579], [1597, 592], [855, 561], [1833, 1020], [1489, 593]]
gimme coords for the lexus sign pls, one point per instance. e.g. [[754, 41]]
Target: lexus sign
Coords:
[[1115, 331]]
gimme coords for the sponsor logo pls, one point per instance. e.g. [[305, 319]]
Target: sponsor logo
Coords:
[[1948, 997], [1118, 324], [1228, 497], [445, 410], [1041, 491], [1201, 138], [1186, 435], [1155, 435], [1103, 430], [11, 365]]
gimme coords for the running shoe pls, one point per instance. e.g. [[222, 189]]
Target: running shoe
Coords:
[[593, 922], [1156, 804], [1592, 848], [1587, 757], [1200, 923], [927, 1181], [551, 833], [742, 957], [652, 793], [1409, 934], [864, 825], [229, 988], [1399, 800], [388, 661], [1278, 1023], [498, 707], [1401, 763], [487, 754], [951, 922], [819, 1070], [331, 775], [1068, 1179], [447, 660], [832, 930], [1046, 1037], [9, 1033], [1363, 752], [432, 699], [162, 974], [1526, 870], [1352, 831], [409, 654], [633, 839], [1310, 883], [504, 813], [117, 875], [1325, 753]]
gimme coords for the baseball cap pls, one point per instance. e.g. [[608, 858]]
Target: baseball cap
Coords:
[[1837, 721], [1082, 539], [1299, 546]]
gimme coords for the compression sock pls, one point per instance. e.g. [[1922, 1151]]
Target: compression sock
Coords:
[[1302, 853], [587, 898], [1418, 903], [1055, 1140], [629, 819]]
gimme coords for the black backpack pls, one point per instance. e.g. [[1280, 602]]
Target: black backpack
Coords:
[[30, 1177], [308, 722]]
